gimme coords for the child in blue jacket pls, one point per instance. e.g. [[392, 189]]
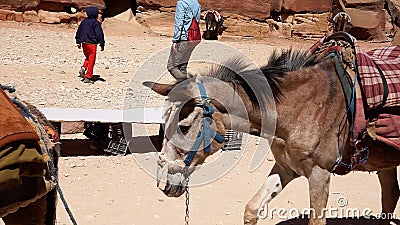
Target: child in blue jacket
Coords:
[[88, 36]]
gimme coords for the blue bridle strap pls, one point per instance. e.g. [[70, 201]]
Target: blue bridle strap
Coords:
[[206, 133], [202, 89]]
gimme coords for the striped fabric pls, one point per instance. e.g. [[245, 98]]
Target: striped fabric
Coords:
[[387, 59]]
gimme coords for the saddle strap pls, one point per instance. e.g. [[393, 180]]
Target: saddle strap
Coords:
[[347, 85]]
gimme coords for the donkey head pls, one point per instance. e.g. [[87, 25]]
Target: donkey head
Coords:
[[194, 130]]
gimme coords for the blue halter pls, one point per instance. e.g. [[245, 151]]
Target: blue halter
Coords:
[[206, 133]]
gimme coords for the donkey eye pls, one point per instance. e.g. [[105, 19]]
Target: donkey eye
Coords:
[[184, 129]]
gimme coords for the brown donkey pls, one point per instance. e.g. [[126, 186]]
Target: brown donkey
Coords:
[[301, 99]]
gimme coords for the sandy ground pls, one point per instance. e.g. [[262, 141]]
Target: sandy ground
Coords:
[[42, 62]]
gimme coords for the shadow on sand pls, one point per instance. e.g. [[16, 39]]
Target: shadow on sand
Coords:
[[98, 78], [87, 147], [339, 221]]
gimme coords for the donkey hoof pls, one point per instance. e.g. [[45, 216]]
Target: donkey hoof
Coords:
[[250, 221]]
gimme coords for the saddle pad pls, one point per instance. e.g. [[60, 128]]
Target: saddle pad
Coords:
[[386, 59]]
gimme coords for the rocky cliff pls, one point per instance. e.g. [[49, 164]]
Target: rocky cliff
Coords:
[[253, 18]]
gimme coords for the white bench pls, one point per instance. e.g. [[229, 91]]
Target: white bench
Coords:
[[125, 117], [112, 117], [138, 115]]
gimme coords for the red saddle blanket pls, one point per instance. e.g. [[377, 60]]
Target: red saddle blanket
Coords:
[[387, 60], [387, 126]]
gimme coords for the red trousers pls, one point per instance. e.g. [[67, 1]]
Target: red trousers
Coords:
[[90, 53]]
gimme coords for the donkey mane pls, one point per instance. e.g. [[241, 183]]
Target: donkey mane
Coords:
[[237, 71]]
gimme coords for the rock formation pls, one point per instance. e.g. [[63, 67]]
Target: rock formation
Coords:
[[253, 18]]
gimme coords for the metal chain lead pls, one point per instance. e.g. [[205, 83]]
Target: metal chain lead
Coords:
[[187, 200]]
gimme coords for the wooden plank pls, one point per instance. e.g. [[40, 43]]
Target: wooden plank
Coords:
[[138, 115]]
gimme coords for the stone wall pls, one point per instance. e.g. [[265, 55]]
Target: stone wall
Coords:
[[110, 7], [259, 10], [32, 16], [19, 5], [304, 6], [48, 5], [58, 5], [305, 18]]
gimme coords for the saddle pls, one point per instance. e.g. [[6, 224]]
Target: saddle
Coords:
[[14, 127], [376, 113], [22, 161], [377, 72]]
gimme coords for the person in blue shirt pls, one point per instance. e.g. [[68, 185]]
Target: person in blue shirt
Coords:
[[88, 36], [181, 49]]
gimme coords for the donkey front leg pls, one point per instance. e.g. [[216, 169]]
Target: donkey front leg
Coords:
[[390, 193], [319, 191], [277, 179]]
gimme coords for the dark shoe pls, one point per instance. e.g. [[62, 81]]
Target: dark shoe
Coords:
[[82, 72], [88, 81]]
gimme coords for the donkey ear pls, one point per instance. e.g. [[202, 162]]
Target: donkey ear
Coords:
[[162, 89]]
